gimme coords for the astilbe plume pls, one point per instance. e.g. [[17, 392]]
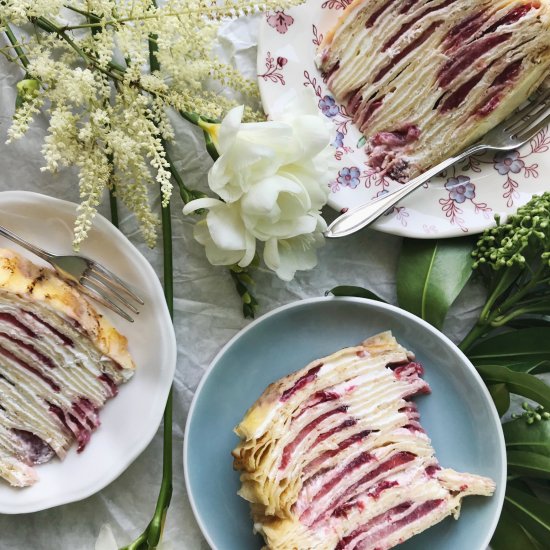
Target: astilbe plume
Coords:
[[86, 68]]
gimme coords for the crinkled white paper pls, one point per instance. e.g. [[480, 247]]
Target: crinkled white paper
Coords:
[[207, 315]]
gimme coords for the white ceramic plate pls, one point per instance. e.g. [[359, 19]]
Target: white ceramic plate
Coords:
[[463, 200], [128, 422]]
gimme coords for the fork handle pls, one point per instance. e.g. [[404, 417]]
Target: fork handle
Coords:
[[358, 218], [21, 242]]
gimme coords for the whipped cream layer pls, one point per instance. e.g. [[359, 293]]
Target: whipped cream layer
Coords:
[[54, 376], [423, 79], [334, 456]]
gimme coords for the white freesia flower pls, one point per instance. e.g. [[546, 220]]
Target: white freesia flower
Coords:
[[272, 178], [223, 233], [286, 256]]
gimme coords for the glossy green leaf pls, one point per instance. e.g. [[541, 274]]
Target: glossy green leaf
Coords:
[[526, 350], [528, 464], [529, 367], [431, 274], [517, 382], [355, 291], [361, 142], [501, 397], [529, 322], [531, 512], [527, 437], [510, 535]]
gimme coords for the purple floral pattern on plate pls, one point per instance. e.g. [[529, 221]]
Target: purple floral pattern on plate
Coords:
[[328, 106], [460, 189], [349, 177], [509, 161]]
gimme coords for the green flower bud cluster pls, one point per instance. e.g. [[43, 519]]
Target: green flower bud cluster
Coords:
[[526, 231], [243, 281], [531, 414]]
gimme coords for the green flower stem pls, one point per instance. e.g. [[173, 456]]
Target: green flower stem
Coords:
[[150, 538], [478, 330], [114, 208], [523, 291], [243, 281], [15, 44], [49, 26]]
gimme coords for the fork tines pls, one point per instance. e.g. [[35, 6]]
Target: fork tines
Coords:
[[109, 289]]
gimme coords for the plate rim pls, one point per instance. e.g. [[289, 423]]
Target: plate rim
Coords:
[[369, 303], [102, 224]]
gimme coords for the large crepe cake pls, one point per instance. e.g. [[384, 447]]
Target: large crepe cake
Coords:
[[425, 78], [60, 360], [334, 456]]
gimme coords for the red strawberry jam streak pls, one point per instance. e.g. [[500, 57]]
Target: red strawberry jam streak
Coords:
[[394, 525], [467, 56], [342, 446], [46, 360], [301, 383], [66, 340], [375, 16], [73, 425], [304, 432], [460, 33], [26, 366], [12, 320], [514, 15], [379, 488], [395, 461], [498, 87], [407, 50], [390, 42], [35, 449], [346, 424]]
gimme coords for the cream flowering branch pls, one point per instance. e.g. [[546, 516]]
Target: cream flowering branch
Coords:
[[272, 181], [108, 117]]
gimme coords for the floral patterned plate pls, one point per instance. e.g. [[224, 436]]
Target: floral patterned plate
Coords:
[[462, 200]]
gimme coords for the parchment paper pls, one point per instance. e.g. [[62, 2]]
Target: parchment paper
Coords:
[[207, 315]]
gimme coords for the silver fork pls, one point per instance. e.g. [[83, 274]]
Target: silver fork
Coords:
[[92, 278], [510, 134]]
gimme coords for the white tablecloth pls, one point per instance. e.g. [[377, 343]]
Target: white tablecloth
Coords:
[[207, 314]]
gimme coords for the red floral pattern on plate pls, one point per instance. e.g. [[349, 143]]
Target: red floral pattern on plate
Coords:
[[274, 68], [280, 21]]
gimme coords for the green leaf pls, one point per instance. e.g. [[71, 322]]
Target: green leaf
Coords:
[[531, 512], [517, 382], [501, 397], [355, 291], [528, 437], [510, 535], [528, 464], [526, 350], [361, 142], [431, 274], [530, 367], [529, 322]]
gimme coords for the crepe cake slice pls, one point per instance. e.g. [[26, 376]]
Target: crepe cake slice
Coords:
[[423, 79], [60, 360], [334, 455]]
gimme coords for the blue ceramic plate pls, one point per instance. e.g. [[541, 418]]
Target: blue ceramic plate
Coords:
[[459, 415]]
